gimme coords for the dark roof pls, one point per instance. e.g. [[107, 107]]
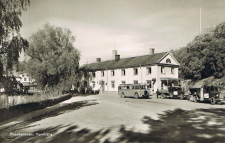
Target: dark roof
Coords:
[[125, 62]]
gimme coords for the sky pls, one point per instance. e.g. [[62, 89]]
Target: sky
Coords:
[[131, 27]]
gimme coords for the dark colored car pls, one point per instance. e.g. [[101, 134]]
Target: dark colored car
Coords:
[[205, 93], [172, 91]]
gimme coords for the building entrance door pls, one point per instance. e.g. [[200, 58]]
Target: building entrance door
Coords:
[[149, 87], [102, 87]]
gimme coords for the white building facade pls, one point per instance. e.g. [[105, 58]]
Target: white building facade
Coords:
[[23, 77], [151, 70]]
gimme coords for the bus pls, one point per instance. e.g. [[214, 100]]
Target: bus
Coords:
[[133, 90]]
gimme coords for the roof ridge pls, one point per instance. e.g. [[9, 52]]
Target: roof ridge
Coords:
[[126, 58]]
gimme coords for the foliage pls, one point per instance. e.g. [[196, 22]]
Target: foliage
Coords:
[[204, 56], [11, 43], [22, 65], [9, 85], [53, 59]]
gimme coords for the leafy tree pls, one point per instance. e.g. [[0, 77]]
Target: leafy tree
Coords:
[[54, 62], [22, 65], [11, 43], [204, 56]]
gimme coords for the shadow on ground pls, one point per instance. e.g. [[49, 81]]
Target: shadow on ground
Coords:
[[201, 125], [70, 107], [196, 126], [10, 133]]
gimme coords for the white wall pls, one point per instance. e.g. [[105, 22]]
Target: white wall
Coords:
[[25, 78], [142, 76]]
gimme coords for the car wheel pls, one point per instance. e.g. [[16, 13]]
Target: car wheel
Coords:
[[190, 97], [163, 96], [219, 102], [195, 98], [212, 101], [182, 96], [136, 96], [122, 95], [146, 96]]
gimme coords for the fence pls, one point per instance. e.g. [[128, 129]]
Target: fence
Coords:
[[8, 101], [13, 106], [4, 103]]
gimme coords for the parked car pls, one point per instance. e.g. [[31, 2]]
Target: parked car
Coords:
[[172, 91], [133, 90], [206, 93]]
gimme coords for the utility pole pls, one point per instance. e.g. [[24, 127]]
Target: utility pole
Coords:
[[200, 22]]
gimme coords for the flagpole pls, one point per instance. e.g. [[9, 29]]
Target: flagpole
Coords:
[[200, 21]]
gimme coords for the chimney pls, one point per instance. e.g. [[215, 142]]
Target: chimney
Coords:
[[117, 57], [98, 60], [152, 51], [114, 53]]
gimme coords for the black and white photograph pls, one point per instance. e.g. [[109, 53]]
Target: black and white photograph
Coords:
[[112, 71]]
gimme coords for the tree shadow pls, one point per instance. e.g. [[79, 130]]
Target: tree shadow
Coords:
[[173, 126], [70, 107], [196, 126], [55, 134], [60, 134]]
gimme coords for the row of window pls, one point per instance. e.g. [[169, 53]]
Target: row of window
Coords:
[[135, 71], [149, 83]]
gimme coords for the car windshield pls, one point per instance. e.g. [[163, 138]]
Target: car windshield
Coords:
[[193, 90], [211, 88]]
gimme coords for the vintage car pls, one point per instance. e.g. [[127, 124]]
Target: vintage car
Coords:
[[173, 92], [133, 90], [206, 94]]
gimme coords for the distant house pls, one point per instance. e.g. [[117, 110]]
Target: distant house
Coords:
[[25, 80], [155, 70], [23, 77]]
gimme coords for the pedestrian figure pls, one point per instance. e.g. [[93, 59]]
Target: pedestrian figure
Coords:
[[157, 93]]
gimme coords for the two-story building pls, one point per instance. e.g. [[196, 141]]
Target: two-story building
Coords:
[[155, 70]]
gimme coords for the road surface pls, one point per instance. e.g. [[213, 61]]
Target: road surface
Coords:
[[109, 118]]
